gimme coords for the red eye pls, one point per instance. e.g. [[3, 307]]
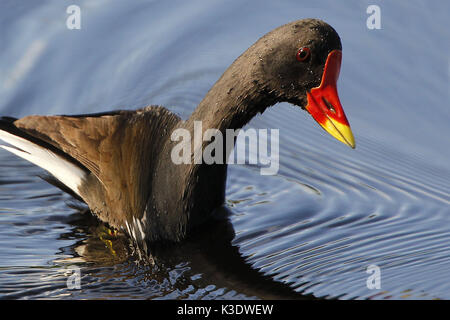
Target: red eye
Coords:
[[303, 54]]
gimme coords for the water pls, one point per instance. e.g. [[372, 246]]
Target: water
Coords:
[[313, 229]]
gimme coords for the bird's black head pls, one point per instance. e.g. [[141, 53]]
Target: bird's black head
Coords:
[[299, 63], [293, 57]]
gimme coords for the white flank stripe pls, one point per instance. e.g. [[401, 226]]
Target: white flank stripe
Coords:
[[63, 170]]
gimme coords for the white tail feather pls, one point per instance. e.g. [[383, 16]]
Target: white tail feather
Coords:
[[63, 170]]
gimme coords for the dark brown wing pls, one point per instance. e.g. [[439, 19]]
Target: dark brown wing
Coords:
[[120, 149], [80, 136]]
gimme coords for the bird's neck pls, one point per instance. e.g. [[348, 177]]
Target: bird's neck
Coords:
[[230, 104], [234, 99]]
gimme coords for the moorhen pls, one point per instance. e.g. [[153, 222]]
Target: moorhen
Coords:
[[119, 163]]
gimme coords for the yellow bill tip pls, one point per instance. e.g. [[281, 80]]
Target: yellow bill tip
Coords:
[[340, 131]]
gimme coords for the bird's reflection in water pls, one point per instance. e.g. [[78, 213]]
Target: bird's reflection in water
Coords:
[[205, 265]]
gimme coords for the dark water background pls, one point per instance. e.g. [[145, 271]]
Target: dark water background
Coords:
[[315, 227]]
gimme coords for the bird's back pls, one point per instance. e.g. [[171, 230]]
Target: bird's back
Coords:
[[107, 159]]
